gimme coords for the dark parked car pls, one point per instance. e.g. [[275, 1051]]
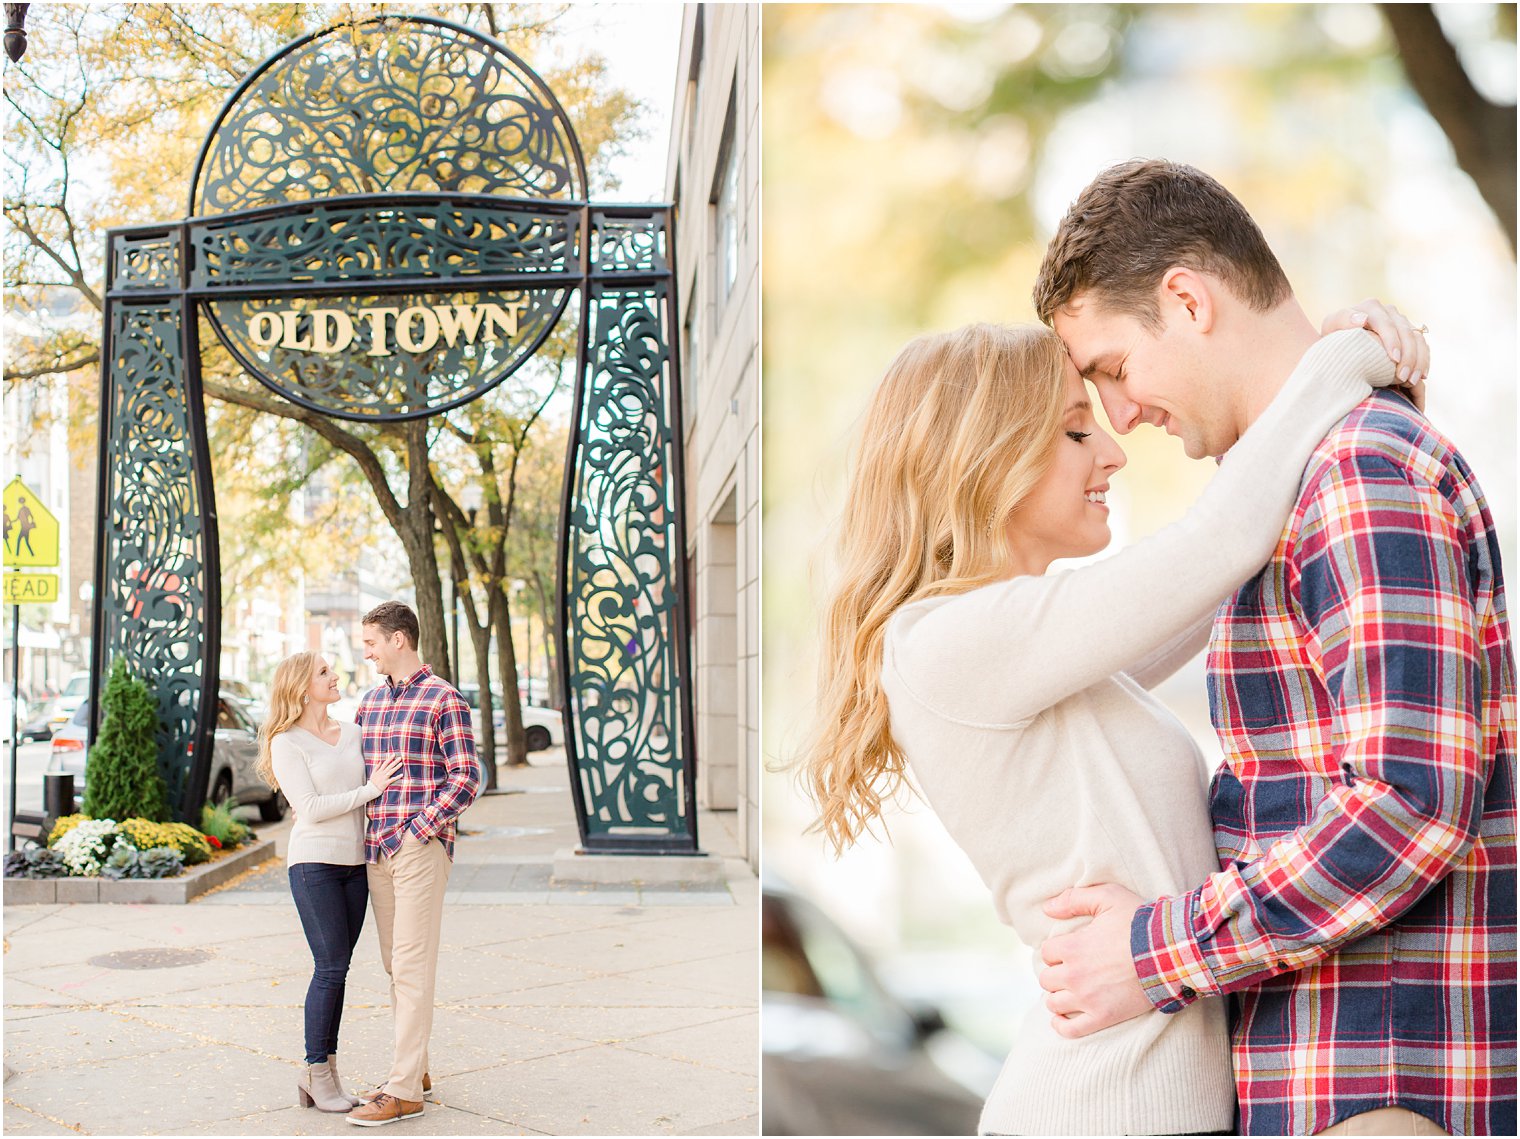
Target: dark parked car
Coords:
[[840, 1054], [233, 754]]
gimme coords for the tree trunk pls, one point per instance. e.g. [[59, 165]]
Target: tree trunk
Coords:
[[422, 555], [480, 640], [550, 615], [1482, 134], [480, 637], [506, 655]]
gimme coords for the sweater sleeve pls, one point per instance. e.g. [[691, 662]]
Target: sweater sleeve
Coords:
[[1000, 655], [1155, 667], [293, 773]]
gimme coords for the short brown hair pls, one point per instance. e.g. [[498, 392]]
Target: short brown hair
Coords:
[[394, 617], [1139, 219]]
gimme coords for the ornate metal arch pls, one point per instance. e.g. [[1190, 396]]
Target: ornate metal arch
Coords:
[[387, 219]]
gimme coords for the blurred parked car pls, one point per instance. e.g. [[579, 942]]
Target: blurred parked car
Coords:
[[533, 690], [543, 727], [42, 724], [22, 714], [252, 703], [233, 753], [840, 1054], [75, 691]]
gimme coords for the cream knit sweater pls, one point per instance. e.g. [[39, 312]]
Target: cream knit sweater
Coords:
[[1024, 713], [327, 791]]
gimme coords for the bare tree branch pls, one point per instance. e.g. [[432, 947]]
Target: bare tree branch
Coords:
[[1482, 133], [57, 368]]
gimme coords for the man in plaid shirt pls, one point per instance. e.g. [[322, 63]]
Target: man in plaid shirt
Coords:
[[1362, 685], [409, 838]]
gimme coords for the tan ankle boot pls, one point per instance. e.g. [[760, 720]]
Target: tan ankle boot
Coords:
[[332, 1063], [316, 1088]]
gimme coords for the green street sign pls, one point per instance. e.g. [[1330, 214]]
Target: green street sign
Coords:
[[31, 531]]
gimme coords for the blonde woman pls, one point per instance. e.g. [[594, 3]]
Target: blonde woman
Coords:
[[316, 761], [1020, 699]]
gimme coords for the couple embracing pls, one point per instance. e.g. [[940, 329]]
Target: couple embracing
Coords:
[[1324, 935], [375, 804]]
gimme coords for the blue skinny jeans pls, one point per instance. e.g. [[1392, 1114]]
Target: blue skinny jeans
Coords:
[[331, 901]]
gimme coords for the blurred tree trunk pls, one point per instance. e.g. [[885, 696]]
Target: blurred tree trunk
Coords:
[[1482, 133]]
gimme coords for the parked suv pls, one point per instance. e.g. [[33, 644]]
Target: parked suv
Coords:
[[234, 751]]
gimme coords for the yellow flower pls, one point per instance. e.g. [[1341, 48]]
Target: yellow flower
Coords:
[[64, 825]]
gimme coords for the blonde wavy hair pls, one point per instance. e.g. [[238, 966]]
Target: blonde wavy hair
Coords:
[[960, 429], [292, 677]]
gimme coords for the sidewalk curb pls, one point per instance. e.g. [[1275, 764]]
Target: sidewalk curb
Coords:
[[152, 891]]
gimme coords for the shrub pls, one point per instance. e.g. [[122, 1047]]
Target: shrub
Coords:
[[218, 822], [36, 862], [121, 774]]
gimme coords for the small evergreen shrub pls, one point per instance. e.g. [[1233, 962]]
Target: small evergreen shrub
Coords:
[[121, 774]]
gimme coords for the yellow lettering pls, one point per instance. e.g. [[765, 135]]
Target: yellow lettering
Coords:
[[456, 319], [332, 330], [290, 339], [377, 339], [264, 329], [404, 336], [503, 318]]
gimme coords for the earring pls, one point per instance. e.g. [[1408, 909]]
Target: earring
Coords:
[[306, 700]]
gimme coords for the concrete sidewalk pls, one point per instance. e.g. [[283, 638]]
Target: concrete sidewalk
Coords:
[[561, 1009]]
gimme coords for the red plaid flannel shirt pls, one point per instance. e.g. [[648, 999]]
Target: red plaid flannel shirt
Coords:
[[425, 719], [1363, 687]]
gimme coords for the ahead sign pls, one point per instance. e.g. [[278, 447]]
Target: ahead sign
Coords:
[[31, 531], [27, 588]]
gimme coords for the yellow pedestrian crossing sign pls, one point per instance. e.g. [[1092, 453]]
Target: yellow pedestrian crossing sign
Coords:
[[31, 531]]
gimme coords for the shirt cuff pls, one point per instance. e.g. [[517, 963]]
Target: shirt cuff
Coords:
[[1168, 960]]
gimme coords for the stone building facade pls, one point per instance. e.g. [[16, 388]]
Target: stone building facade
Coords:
[[713, 177]]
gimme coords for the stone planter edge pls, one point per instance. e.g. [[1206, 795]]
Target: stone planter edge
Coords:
[[154, 891]]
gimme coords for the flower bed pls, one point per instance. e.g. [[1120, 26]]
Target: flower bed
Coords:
[[186, 887], [82, 847]]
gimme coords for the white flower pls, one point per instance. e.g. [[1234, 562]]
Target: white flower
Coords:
[[85, 849]]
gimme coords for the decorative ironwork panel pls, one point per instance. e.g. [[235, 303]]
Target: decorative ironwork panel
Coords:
[[627, 243], [146, 261], [333, 243], [153, 593], [622, 595], [386, 356], [388, 105]]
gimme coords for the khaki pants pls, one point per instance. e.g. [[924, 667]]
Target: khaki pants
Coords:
[[1385, 1121], [406, 892]]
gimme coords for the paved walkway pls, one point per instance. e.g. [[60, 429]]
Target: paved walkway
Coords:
[[561, 1010]]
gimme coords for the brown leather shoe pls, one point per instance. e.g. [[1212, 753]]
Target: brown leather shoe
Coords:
[[384, 1109], [427, 1090]]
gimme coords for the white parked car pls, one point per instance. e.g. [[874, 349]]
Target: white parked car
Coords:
[[543, 727], [234, 751]]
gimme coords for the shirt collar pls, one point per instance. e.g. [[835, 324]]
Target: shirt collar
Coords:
[[425, 670]]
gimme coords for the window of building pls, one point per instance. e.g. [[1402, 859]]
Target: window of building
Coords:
[[725, 200]]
